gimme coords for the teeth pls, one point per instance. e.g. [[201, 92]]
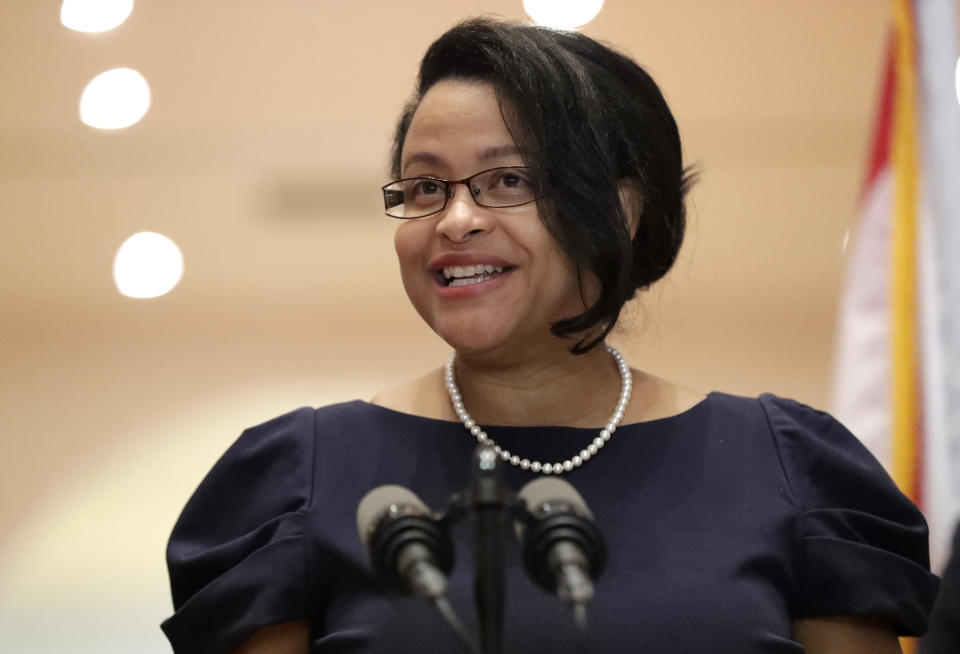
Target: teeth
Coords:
[[454, 272], [467, 281]]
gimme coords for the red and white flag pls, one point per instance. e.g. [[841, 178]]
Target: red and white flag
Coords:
[[897, 372]]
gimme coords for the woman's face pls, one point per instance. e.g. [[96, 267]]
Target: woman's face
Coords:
[[526, 283]]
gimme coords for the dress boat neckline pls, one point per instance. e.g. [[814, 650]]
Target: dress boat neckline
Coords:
[[682, 415]]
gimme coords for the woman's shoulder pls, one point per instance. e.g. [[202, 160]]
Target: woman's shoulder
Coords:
[[773, 414], [422, 396], [656, 398]]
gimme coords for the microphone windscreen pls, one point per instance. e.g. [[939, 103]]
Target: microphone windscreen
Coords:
[[549, 490], [380, 499]]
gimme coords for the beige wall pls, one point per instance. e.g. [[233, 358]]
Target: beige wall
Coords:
[[261, 156]]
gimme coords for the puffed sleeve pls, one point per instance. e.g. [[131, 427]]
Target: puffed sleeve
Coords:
[[862, 545], [237, 555]]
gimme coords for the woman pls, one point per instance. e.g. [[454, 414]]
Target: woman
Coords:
[[539, 179]]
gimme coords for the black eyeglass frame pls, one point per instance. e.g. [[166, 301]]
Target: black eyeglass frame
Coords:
[[543, 188]]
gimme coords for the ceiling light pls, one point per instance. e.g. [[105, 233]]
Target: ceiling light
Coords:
[[147, 265], [94, 15], [114, 99], [563, 14]]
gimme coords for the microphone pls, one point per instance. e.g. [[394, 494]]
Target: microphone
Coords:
[[408, 547], [563, 551]]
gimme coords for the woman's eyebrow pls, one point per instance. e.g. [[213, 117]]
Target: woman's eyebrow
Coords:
[[498, 151], [428, 158], [485, 154]]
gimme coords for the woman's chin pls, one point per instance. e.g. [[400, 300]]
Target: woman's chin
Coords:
[[473, 344], [493, 343], [474, 338]]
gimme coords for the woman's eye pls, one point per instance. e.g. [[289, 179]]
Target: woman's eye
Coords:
[[511, 180], [426, 187]]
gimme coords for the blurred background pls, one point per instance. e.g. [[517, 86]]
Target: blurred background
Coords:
[[260, 156]]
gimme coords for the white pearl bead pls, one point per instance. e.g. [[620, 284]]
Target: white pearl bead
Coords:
[[504, 454], [469, 423], [577, 460], [515, 460], [592, 448], [605, 434], [547, 468], [585, 454], [535, 466], [497, 448], [598, 441], [568, 465], [475, 430]]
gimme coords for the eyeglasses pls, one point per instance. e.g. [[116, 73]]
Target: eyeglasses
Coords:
[[506, 186]]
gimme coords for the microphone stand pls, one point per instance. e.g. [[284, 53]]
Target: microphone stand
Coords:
[[491, 506], [489, 501]]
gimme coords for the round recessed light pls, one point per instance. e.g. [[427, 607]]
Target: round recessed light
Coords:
[[562, 14], [147, 265], [94, 15], [114, 99]]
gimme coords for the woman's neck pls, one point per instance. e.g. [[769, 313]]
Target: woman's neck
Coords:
[[572, 391], [556, 388]]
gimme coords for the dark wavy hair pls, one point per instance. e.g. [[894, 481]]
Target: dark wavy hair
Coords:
[[597, 121]]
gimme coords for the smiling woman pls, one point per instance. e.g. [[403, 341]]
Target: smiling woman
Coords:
[[525, 283], [539, 184]]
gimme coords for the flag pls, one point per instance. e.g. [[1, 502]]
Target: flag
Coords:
[[898, 345]]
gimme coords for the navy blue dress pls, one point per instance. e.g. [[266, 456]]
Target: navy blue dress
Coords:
[[723, 523]]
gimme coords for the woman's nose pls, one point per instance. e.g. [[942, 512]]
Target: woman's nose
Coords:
[[462, 217]]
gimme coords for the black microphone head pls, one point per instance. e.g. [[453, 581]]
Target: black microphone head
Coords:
[[382, 501], [391, 520], [556, 513], [551, 494]]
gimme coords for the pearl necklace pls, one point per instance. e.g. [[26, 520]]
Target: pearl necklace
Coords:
[[626, 385]]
